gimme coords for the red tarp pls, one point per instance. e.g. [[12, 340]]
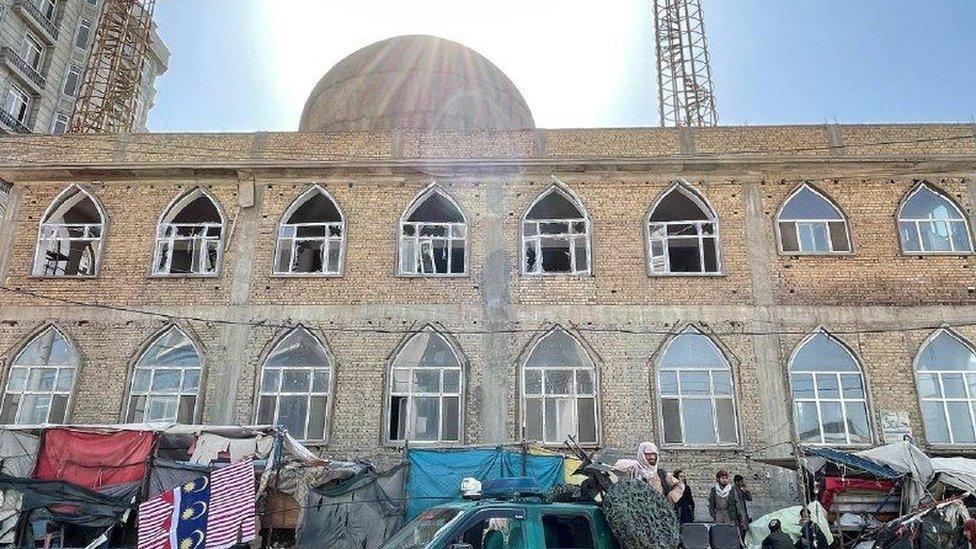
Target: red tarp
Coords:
[[92, 459], [835, 485]]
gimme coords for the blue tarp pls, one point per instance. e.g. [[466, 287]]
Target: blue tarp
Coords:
[[435, 475], [853, 461]]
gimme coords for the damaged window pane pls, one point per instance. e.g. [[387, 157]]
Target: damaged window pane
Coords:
[[946, 377], [555, 236], [40, 381], [165, 380], [558, 388], [70, 236], [433, 236], [296, 386], [809, 223], [425, 391], [695, 386], [188, 238], [311, 236], [682, 234]]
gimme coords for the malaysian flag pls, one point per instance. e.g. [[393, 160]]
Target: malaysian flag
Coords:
[[208, 513]]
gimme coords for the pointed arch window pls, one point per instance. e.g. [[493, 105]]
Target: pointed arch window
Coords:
[[311, 236], [426, 385], [945, 370], [40, 381], [188, 236], [682, 234], [296, 386], [695, 387], [433, 236], [928, 222], [809, 223], [829, 396], [556, 235], [69, 240], [166, 380], [559, 391]]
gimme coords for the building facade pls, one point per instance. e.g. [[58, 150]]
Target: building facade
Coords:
[[45, 49], [726, 292]]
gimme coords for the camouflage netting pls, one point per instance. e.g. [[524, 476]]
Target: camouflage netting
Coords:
[[639, 517], [563, 493]]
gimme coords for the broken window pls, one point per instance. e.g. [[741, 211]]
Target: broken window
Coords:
[[296, 384], [946, 374], [311, 236], [426, 384], [682, 234], [433, 236], [166, 381], [556, 235], [809, 223], [188, 237], [829, 398], [929, 222], [70, 237], [695, 386], [40, 380], [559, 391]]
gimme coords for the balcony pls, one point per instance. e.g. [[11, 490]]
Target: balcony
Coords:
[[30, 12], [12, 124], [20, 68]]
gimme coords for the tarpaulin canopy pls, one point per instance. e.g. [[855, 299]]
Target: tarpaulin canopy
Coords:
[[94, 459], [906, 458], [435, 475], [853, 461], [17, 454], [957, 472], [50, 499]]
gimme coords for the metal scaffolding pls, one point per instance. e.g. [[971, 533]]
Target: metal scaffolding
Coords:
[[684, 78], [107, 99]]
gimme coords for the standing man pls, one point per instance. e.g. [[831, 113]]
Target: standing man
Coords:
[[647, 470], [740, 495], [685, 506]]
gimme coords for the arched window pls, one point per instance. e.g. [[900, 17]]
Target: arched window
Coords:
[[682, 234], [433, 236], [296, 385], [829, 398], [928, 222], [556, 235], [188, 236], [70, 236], [559, 391], [40, 381], [166, 380], [809, 223], [425, 390], [695, 387], [311, 236], [946, 373]]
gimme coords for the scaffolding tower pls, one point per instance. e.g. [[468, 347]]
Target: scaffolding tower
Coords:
[[684, 78], [107, 99]]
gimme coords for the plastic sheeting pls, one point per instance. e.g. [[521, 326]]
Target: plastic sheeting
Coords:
[[789, 518], [358, 512], [56, 500], [94, 459], [906, 458], [435, 475], [957, 472], [167, 474], [17, 454]]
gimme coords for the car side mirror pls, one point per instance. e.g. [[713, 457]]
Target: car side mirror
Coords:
[[461, 546]]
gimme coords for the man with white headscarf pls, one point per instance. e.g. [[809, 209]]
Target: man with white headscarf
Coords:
[[647, 469]]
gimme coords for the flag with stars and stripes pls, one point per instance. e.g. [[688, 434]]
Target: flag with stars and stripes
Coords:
[[207, 513]]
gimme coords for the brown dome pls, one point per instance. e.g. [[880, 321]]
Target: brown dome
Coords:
[[415, 83]]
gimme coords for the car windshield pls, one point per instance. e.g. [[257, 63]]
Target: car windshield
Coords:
[[422, 529]]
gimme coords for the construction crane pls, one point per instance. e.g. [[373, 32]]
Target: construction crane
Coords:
[[107, 99], [686, 95]]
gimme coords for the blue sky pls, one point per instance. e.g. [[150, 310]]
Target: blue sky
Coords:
[[247, 65]]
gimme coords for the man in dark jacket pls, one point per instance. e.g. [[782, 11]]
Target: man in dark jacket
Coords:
[[777, 539], [740, 495], [811, 536], [685, 506]]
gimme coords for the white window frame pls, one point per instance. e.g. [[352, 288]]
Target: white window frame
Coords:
[[410, 394], [52, 5], [534, 240], [327, 242], [711, 397], [650, 239], [453, 232], [150, 394], [87, 26], [165, 236], [808, 223], [30, 43], [61, 369], [48, 232], [63, 119], [18, 97], [841, 400], [67, 76], [946, 221], [969, 399], [311, 369], [575, 394]]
